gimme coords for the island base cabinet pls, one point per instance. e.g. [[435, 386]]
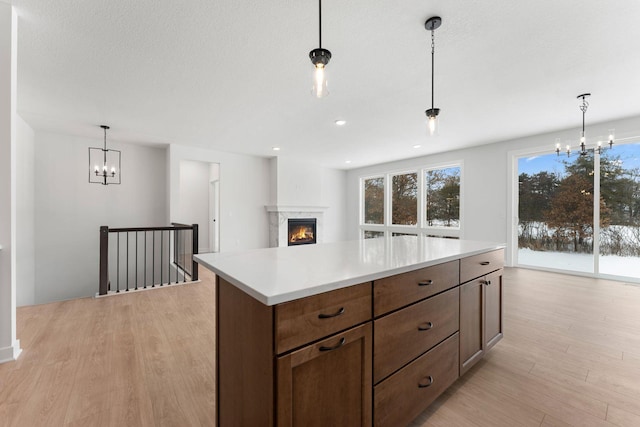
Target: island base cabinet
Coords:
[[493, 309], [404, 395], [480, 318], [327, 383]]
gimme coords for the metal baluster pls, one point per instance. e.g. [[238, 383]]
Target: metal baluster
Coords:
[[169, 258], [137, 260], [118, 264], [127, 261], [161, 257], [153, 259], [145, 259], [184, 257]]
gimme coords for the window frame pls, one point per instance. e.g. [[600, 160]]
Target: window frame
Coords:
[[421, 228]]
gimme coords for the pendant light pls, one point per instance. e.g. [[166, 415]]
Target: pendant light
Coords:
[[432, 113], [104, 164], [584, 105], [320, 58]]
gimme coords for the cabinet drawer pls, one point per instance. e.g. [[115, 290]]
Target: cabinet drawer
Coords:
[[393, 292], [479, 265], [308, 319], [404, 395], [404, 335]]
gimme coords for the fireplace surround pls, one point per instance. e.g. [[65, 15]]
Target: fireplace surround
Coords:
[[279, 216]]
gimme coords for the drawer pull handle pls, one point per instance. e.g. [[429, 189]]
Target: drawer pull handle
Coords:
[[425, 326], [425, 283], [422, 385], [485, 263], [327, 316], [340, 344]]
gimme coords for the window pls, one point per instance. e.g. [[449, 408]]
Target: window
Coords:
[[442, 194], [374, 200], [425, 202], [561, 223], [368, 234], [404, 199]]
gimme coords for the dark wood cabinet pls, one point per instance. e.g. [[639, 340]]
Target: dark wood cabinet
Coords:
[[493, 309], [404, 395], [376, 353], [327, 383], [480, 318]]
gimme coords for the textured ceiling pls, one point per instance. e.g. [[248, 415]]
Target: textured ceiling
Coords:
[[235, 75]]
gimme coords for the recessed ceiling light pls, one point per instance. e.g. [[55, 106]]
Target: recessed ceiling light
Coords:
[[276, 148], [417, 146], [341, 122], [347, 161]]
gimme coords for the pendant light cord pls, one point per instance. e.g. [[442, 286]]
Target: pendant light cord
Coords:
[[320, 22], [432, 66]]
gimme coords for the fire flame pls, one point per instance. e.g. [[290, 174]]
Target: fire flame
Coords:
[[301, 233]]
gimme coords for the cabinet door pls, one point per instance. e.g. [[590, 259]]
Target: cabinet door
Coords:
[[471, 323], [493, 309], [327, 383]]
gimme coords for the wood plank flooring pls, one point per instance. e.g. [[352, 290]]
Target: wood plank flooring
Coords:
[[139, 359], [570, 357]]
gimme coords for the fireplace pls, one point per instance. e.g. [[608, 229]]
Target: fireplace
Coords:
[[302, 231]]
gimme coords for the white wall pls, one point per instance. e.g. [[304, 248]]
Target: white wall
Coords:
[[244, 192], [9, 345], [194, 199], [69, 211], [298, 183], [486, 181], [25, 221]]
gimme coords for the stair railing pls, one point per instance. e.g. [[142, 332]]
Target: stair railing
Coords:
[[144, 257]]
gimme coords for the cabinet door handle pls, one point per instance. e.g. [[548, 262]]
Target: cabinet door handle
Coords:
[[340, 344], [485, 263], [425, 326], [425, 283], [486, 282], [327, 316], [423, 385]]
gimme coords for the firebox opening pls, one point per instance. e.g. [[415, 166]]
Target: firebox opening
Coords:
[[302, 231]]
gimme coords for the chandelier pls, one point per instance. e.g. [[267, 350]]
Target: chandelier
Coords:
[[584, 105], [104, 164]]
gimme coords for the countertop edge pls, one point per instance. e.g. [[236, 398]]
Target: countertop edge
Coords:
[[315, 290]]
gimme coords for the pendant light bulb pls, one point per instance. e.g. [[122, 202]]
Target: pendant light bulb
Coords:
[[432, 121], [320, 81]]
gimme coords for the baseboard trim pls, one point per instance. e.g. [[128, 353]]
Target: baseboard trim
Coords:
[[10, 354]]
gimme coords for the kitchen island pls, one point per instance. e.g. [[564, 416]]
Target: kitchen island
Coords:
[[365, 332]]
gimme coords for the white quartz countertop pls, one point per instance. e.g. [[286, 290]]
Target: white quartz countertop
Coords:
[[276, 275]]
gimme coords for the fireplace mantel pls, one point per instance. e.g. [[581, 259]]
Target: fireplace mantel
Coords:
[[278, 218], [289, 208]]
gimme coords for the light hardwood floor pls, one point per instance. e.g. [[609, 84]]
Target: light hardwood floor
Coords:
[[570, 357]]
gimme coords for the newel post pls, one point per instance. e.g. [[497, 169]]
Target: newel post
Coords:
[[104, 260], [194, 251]]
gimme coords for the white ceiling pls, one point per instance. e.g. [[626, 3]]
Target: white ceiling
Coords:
[[235, 75]]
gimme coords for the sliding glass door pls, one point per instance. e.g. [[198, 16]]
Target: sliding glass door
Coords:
[[620, 214], [581, 213]]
